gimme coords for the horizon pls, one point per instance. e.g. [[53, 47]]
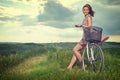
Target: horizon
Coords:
[[52, 42]]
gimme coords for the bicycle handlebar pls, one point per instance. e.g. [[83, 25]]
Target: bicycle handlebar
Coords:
[[78, 26]]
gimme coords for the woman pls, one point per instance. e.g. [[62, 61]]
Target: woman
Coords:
[[87, 23]]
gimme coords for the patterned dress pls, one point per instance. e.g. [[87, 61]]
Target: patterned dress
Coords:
[[83, 40]]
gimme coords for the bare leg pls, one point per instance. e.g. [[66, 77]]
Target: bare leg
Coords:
[[103, 39], [76, 55], [76, 52], [73, 60]]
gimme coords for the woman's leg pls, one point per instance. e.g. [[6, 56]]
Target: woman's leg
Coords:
[[103, 39], [77, 50], [73, 60], [76, 55]]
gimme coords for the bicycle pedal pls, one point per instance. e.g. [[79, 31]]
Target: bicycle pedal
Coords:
[[85, 65]]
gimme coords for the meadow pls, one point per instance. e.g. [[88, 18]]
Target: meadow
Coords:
[[48, 61]]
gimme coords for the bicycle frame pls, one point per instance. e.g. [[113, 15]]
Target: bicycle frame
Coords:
[[89, 52]]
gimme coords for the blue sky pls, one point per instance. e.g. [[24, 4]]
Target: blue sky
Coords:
[[44, 21]]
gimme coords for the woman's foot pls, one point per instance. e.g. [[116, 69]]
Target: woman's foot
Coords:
[[64, 69], [106, 38], [69, 68]]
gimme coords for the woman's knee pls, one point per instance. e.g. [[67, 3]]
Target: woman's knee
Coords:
[[75, 50]]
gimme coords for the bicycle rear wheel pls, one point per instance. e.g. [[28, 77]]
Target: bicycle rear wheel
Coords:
[[98, 62]]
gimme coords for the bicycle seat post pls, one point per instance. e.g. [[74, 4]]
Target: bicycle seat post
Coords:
[[87, 46], [92, 53]]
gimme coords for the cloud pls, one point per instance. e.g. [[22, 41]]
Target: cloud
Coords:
[[39, 33], [107, 18], [6, 19], [26, 20], [58, 24], [70, 33], [56, 15], [14, 11], [13, 8], [55, 11], [114, 38], [9, 3], [110, 2]]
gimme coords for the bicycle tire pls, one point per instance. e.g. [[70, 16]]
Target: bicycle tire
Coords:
[[99, 56], [96, 65]]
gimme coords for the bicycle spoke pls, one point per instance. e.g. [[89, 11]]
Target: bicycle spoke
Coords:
[[98, 64], [94, 61]]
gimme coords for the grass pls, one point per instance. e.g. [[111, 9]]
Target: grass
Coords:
[[52, 66], [28, 65]]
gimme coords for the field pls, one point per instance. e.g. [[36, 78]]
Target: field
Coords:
[[48, 61]]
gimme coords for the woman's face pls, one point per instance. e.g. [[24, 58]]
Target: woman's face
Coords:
[[86, 11]]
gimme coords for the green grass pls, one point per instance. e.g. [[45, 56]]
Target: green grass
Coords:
[[53, 66]]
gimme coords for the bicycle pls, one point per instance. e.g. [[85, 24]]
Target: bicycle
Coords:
[[93, 57]]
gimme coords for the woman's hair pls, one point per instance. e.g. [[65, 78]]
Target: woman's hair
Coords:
[[90, 9]]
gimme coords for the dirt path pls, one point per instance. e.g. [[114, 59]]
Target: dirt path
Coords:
[[25, 67]]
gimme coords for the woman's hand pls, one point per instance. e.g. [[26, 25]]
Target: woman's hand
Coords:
[[78, 25]]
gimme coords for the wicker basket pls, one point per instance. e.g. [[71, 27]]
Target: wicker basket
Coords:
[[93, 35]]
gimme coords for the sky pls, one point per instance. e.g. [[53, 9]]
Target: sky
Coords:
[[48, 21]]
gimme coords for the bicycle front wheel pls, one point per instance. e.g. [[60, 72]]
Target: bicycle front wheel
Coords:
[[93, 58], [98, 61]]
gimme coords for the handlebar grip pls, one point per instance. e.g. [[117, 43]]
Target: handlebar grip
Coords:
[[78, 26]]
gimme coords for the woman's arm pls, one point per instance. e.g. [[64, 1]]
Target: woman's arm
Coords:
[[89, 25]]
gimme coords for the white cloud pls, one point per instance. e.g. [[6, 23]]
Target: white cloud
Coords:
[[114, 38], [12, 11], [39, 33], [68, 3], [37, 6]]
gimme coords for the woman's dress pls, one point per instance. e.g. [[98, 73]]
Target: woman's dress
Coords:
[[83, 40]]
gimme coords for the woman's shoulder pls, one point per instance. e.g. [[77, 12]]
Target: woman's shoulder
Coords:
[[89, 16]]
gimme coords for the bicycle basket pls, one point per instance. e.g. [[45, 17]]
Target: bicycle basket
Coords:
[[93, 35]]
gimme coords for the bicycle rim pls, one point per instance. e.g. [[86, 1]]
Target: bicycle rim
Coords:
[[98, 62]]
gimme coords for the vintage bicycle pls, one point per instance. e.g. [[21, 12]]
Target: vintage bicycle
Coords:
[[93, 57]]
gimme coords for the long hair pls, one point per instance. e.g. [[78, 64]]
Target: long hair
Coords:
[[90, 9]]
